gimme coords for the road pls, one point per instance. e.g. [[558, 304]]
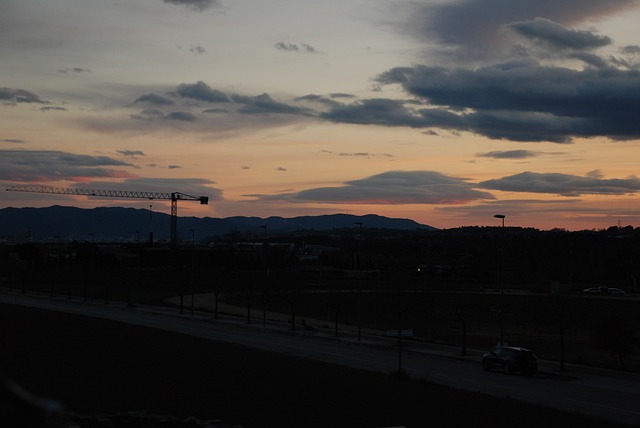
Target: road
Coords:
[[610, 395]]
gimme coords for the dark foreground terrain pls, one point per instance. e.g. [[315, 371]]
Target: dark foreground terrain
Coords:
[[100, 367]]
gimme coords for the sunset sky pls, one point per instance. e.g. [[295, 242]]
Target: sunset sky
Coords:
[[445, 112]]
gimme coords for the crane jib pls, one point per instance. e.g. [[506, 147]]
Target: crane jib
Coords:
[[109, 193]]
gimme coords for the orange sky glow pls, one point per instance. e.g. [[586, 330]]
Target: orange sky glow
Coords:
[[446, 113]]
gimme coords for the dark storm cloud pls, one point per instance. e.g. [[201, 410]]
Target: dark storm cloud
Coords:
[[479, 22], [526, 86], [17, 96], [545, 30], [510, 154], [516, 126], [393, 188], [564, 184], [293, 47], [201, 91], [197, 5], [48, 165], [154, 100], [522, 101]]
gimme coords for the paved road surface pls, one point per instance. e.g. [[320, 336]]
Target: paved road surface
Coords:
[[611, 395]]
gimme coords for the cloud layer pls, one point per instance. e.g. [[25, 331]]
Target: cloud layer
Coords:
[[521, 101], [197, 5], [564, 184], [474, 27], [393, 188], [40, 166]]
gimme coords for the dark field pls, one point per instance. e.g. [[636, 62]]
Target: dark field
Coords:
[[95, 366]]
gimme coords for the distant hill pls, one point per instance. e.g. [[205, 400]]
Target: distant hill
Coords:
[[129, 224]]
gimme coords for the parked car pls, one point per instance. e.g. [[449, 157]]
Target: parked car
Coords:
[[604, 291], [595, 290], [511, 359]]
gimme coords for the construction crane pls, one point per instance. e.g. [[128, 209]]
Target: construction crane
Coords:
[[174, 197]]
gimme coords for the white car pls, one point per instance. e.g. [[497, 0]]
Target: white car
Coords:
[[595, 290]]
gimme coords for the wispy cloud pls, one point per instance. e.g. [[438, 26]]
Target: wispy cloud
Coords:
[[77, 70], [159, 116], [294, 47], [197, 50], [52, 108], [154, 99], [131, 153], [509, 154], [197, 5]]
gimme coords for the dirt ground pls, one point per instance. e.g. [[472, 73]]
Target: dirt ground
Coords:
[[100, 367]]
